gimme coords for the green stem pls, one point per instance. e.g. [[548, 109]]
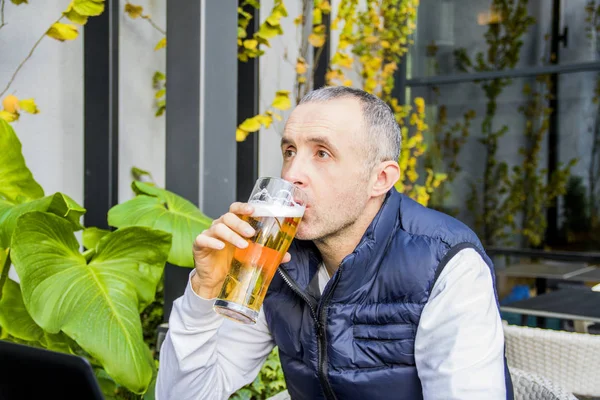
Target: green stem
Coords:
[[2, 23], [25, 60], [4, 272]]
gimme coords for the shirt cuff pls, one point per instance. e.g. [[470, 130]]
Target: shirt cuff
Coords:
[[198, 311]]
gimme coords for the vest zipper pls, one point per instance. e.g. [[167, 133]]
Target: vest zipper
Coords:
[[294, 286], [320, 321], [322, 339]]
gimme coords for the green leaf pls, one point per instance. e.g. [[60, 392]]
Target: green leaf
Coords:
[[107, 384], [142, 175], [15, 178], [14, 316], [91, 8], [96, 303], [157, 78], [19, 2], [59, 204], [92, 235], [161, 209]]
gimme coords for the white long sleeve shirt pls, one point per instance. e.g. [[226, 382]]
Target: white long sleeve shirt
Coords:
[[459, 345]]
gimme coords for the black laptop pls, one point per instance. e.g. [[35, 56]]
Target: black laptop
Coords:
[[32, 373]]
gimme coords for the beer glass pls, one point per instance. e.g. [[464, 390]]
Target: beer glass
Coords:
[[278, 209]]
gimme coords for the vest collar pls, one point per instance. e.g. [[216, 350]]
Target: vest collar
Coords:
[[358, 265]]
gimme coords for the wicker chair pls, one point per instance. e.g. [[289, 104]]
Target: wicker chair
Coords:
[[528, 386], [568, 359]]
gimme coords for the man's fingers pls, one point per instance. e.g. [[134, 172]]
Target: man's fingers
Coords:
[[241, 208], [206, 242], [238, 225], [225, 233], [286, 258]]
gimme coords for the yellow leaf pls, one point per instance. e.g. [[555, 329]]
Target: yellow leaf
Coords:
[[240, 135], [74, 16], [298, 20], [9, 117], [133, 10], [250, 44], [160, 93], [325, 6], [62, 32], [385, 44], [11, 103], [301, 79], [282, 100], [273, 20], [19, 2], [161, 44], [347, 82], [267, 32], [317, 16], [265, 120], [300, 66], [278, 117], [371, 39], [420, 105], [28, 105], [250, 124], [316, 40], [90, 8]]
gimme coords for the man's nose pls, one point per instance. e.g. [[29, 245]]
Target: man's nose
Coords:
[[295, 173]]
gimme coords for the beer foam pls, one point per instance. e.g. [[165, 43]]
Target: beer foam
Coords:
[[277, 210]]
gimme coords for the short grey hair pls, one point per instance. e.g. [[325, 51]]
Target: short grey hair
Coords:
[[382, 131]]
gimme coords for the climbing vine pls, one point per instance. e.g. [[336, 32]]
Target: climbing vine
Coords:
[[76, 14], [445, 142], [508, 22]]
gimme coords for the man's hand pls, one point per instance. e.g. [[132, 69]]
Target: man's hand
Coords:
[[214, 249]]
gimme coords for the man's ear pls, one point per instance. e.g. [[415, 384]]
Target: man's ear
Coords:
[[388, 173]]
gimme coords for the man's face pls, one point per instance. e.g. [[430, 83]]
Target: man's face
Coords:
[[324, 153]]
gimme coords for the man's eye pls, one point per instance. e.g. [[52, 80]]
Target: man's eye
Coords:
[[322, 154], [288, 153]]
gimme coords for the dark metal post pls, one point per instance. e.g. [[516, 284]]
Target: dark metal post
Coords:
[[321, 55], [247, 107], [101, 115], [553, 127], [399, 90], [201, 113]]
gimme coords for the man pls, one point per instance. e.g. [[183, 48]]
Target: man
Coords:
[[378, 296]]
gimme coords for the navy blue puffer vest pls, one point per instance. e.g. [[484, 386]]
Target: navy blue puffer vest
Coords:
[[356, 341]]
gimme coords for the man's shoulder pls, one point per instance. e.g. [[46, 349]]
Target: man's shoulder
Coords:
[[416, 219]]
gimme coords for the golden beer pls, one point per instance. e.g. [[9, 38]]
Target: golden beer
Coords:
[[253, 268]]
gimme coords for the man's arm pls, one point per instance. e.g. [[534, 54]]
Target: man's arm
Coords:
[[459, 347], [206, 356]]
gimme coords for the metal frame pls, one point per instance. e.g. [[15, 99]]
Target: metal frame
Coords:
[[554, 70], [247, 107], [509, 73], [101, 115], [323, 60], [201, 113]]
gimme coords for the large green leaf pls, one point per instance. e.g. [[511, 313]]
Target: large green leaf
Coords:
[[14, 316], [16, 181], [59, 204], [17, 322], [92, 235], [161, 209], [97, 303]]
